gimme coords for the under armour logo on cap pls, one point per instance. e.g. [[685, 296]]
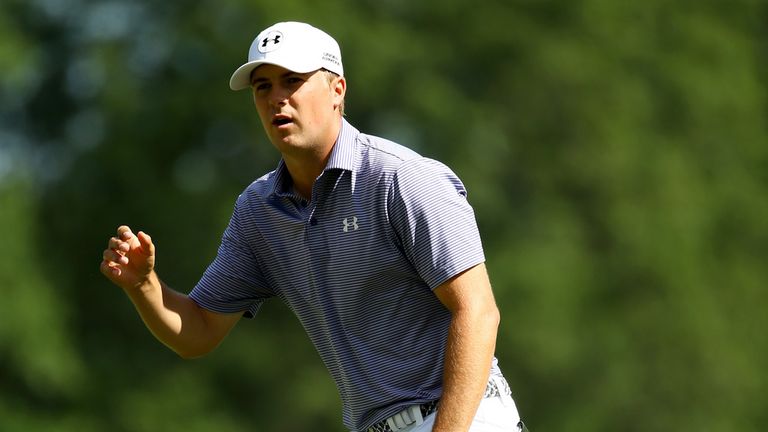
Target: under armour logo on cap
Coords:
[[270, 42]]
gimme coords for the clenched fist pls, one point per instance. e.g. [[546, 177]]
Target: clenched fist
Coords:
[[129, 259]]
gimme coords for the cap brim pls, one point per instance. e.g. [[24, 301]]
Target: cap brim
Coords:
[[241, 79]]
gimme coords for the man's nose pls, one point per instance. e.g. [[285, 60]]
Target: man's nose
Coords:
[[279, 96]]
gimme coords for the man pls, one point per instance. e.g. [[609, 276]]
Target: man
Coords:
[[373, 247]]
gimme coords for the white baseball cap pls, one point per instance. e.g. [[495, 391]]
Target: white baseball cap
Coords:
[[296, 46]]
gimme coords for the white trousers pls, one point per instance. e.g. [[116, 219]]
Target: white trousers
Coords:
[[496, 414]]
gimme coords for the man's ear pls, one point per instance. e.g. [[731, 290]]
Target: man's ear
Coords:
[[339, 89]]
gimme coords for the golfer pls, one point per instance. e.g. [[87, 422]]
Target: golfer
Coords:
[[373, 247]]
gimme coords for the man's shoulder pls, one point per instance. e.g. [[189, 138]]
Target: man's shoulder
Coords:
[[397, 157], [260, 188], [384, 152]]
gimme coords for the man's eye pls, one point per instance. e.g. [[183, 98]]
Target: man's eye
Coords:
[[261, 87], [294, 80]]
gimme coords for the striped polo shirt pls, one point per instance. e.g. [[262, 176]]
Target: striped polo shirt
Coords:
[[357, 265]]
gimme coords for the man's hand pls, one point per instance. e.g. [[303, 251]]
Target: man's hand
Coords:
[[129, 259]]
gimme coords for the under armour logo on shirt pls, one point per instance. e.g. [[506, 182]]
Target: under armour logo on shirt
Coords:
[[350, 224], [271, 42]]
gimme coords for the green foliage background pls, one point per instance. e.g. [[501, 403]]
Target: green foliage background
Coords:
[[616, 154]]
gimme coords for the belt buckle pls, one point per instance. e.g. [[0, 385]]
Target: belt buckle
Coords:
[[410, 416]]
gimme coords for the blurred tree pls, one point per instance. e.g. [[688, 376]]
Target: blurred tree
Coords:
[[615, 155], [39, 364]]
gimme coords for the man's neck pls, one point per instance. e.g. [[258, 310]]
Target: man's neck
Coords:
[[306, 167], [303, 175]]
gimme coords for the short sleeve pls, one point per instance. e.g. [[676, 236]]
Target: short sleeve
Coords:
[[234, 281], [434, 222]]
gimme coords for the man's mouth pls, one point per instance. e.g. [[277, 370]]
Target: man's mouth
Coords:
[[280, 121]]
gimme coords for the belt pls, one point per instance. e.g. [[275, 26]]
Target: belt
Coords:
[[425, 409], [491, 390]]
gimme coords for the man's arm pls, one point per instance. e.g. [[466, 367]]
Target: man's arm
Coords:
[[470, 347], [172, 317]]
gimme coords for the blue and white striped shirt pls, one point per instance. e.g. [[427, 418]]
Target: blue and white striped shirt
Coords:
[[357, 265]]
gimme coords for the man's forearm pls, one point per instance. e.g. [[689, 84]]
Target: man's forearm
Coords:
[[469, 352], [173, 318]]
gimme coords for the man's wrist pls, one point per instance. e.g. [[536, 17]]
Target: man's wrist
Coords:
[[146, 286]]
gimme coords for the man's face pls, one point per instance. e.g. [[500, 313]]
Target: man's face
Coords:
[[299, 111]]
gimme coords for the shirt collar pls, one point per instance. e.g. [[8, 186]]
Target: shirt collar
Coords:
[[281, 182], [343, 157], [344, 151]]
